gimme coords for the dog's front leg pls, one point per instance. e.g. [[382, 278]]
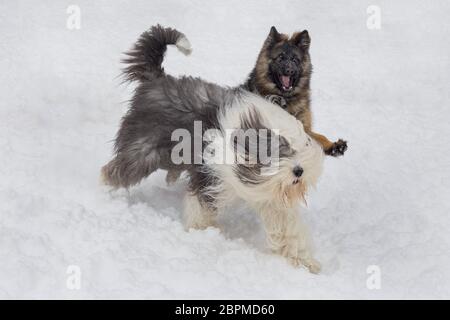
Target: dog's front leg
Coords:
[[334, 149], [279, 100], [197, 215], [288, 236]]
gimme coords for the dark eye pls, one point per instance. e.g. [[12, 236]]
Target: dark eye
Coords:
[[295, 59], [281, 57]]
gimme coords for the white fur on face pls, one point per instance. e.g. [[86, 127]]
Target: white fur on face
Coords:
[[280, 186]]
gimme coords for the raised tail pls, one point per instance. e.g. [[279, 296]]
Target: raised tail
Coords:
[[145, 58]]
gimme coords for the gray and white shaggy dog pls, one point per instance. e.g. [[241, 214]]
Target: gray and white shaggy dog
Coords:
[[250, 149]]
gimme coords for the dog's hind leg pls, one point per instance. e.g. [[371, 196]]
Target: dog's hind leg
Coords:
[[197, 215], [172, 176], [288, 236], [130, 167]]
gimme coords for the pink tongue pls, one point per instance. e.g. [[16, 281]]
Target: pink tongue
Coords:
[[286, 81]]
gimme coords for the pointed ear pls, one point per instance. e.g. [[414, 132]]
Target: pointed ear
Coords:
[[273, 36], [302, 39], [274, 32]]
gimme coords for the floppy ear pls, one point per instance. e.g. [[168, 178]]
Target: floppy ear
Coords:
[[302, 39]]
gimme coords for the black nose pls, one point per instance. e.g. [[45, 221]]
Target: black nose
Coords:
[[298, 171], [289, 71]]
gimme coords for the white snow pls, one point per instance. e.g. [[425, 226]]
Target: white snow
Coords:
[[385, 203]]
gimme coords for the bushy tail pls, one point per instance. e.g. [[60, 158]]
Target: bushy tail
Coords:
[[145, 58]]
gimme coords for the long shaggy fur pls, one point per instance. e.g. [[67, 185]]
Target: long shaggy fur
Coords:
[[163, 104], [145, 58]]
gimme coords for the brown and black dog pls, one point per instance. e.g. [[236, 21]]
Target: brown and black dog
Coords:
[[282, 74]]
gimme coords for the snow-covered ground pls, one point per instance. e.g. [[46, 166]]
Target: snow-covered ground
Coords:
[[385, 203]]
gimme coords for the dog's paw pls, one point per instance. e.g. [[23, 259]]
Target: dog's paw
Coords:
[[337, 149], [279, 100], [311, 264]]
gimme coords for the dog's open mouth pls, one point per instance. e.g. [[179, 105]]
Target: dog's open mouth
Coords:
[[286, 82], [296, 181]]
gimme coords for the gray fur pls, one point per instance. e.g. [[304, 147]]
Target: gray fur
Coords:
[[145, 58], [143, 143], [162, 104]]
